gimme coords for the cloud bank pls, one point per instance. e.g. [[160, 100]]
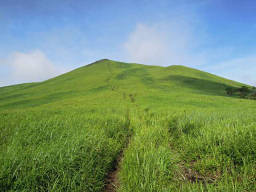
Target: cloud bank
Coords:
[[28, 67]]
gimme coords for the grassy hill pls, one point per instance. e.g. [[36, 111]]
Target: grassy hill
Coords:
[[152, 128], [106, 75]]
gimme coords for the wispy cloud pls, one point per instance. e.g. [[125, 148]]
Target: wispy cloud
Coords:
[[147, 45], [240, 69], [163, 44]]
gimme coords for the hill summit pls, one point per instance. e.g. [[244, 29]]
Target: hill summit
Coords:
[[107, 75]]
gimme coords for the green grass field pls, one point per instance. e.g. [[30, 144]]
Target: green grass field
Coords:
[[168, 129]]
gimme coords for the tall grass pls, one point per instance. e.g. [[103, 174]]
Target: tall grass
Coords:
[[58, 152], [218, 147], [148, 162], [185, 134], [202, 151]]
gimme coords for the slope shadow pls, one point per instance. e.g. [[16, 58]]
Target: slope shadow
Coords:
[[36, 101], [202, 86]]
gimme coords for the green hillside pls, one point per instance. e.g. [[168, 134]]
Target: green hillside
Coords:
[[106, 75], [113, 126]]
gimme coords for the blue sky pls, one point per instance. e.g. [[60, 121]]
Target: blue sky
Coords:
[[42, 39]]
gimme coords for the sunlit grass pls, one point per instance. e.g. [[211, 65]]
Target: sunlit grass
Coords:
[[176, 126]]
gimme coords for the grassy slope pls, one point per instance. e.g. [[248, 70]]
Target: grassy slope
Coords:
[[65, 133]]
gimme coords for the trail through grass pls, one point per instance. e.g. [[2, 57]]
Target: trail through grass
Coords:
[[184, 132]]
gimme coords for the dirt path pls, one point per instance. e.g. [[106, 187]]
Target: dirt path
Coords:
[[112, 182]]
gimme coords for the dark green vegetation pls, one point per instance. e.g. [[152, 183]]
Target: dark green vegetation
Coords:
[[176, 126], [243, 92]]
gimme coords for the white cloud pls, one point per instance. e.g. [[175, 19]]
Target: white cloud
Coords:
[[146, 45], [28, 67], [160, 44]]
